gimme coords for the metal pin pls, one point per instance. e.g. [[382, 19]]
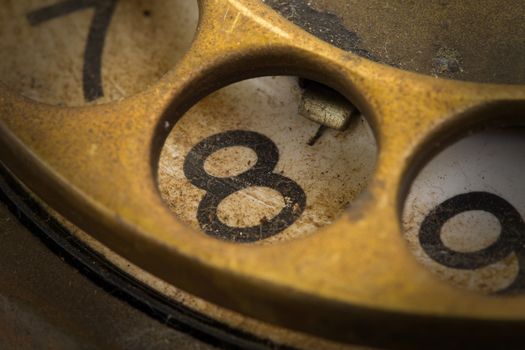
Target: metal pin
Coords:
[[325, 106]]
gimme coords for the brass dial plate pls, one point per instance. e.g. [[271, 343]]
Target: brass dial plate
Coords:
[[97, 166]]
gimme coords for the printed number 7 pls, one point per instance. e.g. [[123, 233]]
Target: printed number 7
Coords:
[[104, 9]]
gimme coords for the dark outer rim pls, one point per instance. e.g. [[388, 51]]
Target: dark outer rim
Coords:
[[117, 282]]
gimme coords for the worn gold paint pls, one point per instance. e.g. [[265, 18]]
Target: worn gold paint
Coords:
[[97, 166]]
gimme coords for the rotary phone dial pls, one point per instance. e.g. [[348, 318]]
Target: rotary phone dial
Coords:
[[323, 167]]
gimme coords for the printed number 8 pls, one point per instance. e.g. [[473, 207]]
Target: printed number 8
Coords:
[[261, 174]]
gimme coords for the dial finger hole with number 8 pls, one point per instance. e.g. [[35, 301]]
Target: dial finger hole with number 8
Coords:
[[243, 165]]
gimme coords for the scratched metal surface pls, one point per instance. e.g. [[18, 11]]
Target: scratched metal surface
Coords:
[[478, 41]]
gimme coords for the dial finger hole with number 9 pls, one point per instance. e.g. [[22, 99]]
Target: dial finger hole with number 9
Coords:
[[464, 215]]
